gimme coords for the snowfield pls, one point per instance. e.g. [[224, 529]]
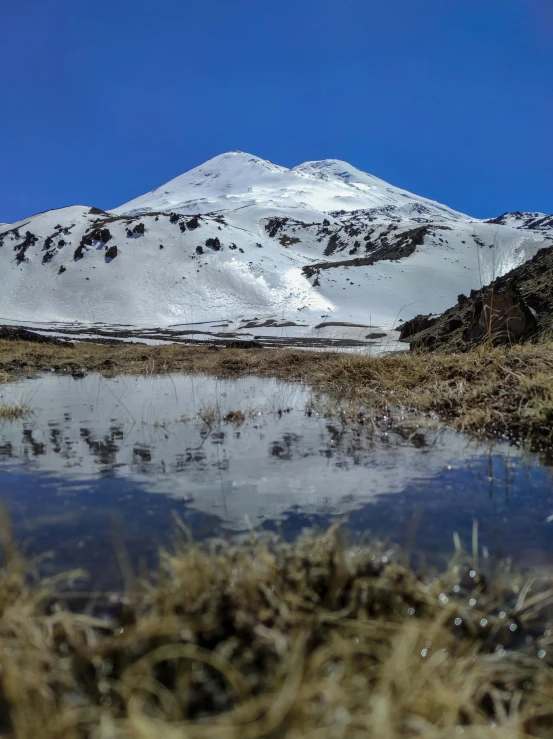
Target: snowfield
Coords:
[[240, 242]]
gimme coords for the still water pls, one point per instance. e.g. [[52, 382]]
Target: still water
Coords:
[[105, 465]]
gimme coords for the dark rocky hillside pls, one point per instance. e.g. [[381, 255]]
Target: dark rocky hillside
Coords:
[[514, 308]]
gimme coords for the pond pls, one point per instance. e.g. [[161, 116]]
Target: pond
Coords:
[[105, 469]]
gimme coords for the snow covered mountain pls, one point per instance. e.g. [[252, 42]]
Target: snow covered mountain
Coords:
[[237, 180], [242, 242]]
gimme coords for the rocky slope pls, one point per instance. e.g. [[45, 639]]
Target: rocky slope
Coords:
[[514, 308]]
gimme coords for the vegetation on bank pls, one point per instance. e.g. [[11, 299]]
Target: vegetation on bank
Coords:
[[269, 639], [501, 391]]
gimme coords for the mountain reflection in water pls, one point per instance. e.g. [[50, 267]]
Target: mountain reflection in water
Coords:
[[101, 460]]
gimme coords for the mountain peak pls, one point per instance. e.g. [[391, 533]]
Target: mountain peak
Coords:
[[237, 179], [236, 157]]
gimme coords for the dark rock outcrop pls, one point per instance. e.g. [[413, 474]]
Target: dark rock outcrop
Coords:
[[274, 225], [402, 246], [415, 325], [14, 333], [103, 235], [138, 230], [30, 239], [79, 252]]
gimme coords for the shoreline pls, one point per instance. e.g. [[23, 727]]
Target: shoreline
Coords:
[[502, 392]]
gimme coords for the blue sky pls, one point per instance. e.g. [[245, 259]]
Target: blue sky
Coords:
[[102, 101]]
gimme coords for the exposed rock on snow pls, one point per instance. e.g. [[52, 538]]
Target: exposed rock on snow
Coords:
[[13, 333]]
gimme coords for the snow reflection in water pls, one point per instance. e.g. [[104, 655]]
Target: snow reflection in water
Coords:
[[122, 454]]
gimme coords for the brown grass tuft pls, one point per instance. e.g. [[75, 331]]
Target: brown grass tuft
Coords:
[[13, 411]]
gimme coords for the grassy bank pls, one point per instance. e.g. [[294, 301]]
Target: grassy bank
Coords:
[[501, 391], [267, 639]]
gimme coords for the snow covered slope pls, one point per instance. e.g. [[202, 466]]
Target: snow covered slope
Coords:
[[240, 240]]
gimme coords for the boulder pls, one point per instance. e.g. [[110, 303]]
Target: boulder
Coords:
[[105, 235], [416, 325], [502, 316], [214, 244]]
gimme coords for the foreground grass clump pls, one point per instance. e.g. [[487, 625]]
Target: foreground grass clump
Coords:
[[493, 391], [267, 639]]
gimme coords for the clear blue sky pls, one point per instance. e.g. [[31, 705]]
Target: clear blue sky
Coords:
[[102, 101]]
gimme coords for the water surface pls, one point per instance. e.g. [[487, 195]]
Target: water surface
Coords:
[[103, 465]]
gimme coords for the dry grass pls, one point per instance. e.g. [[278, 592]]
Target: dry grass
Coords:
[[13, 411], [495, 391], [212, 415], [267, 639]]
